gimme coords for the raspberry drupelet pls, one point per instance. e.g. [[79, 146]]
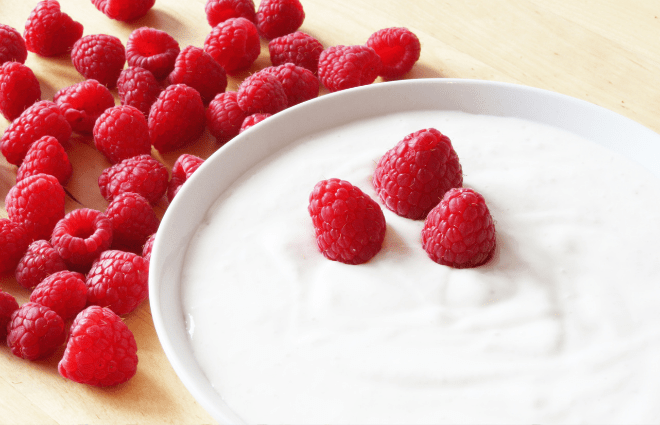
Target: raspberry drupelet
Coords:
[[100, 57], [82, 103], [49, 31], [153, 50], [81, 236], [224, 117], [234, 44], [46, 156], [121, 132], [19, 89]]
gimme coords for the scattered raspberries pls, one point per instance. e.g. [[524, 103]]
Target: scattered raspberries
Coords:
[[345, 67], [197, 69], [234, 44], [276, 18], [8, 305], [101, 349], [224, 117], [298, 48], [49, 31], [177, 118], [133, 221], [121, 132], [14, 240], [262, 92], [139, 88], [413, 176], [459, 232], [12, 45], [184, 167], [124, 10], [252, 120], [349, 225], [82, 103], [46, 156], [64, 292], [398, 49], [39, 261], [35, 331], [19, 89], [81, 236], [300, 84], [140, 174], [153, 50], [100, 57], [218, 11]]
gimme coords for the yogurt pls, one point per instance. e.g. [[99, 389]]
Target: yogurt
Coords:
[[562, 325]]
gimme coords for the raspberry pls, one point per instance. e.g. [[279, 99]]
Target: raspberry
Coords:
[[124, 10], [197, 69], [133, 221], [177, 118], [300, 84], [276, 18], [119, 281], [12, 45], [64, 292], [140, 174], [349, 225], [46, 156], [35, 331], [101, 349], [100, 57], [44, 118], [49, 31], [148, 246], [138, 87], [14, 241], [224, 117], [19, 89], [39, 261], [218, 11], [153, 50], [184, 167], [234, 44], [412, 177], [298, 48], [459, 232], [252, 120], [345, 67], [122, 132], [81, 236], [261, 92], [82, 103], [398, 49], [8, 306], [36, 202]]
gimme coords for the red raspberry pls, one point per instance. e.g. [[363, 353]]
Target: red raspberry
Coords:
[[124, 10], [300, 84], [39, 261], [298, 48], [81, 236], [398, 49], [412, 177], [12, 45], [122, 132], [345, 67], [44, 118], [261, 92], [138, 87], [224, 117], [46, 156], [153, 50], [133, 221], [459, 232], [197, 69], [8, 306], [177, 118], [140, 174], [218, 11], [35, 331], [36, 202], [19, 89], [119, 281], [64, 292], [49, 31], [349, 225], [234, 44], [101, 349], [276, 18], [148, 246], [252, 120], [82, 103], [100, 57], [14, 241], [184, 167]]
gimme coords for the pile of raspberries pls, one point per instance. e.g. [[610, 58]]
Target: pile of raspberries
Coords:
[[85, 268]]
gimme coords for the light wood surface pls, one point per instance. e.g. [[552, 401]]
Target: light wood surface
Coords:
[[605, 52]]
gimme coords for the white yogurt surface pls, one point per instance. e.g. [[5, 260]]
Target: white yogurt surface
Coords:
[[563, 325]]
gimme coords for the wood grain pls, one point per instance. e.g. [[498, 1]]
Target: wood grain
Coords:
[[605, 52]]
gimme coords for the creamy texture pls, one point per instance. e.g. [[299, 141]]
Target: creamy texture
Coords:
[[563, 325]]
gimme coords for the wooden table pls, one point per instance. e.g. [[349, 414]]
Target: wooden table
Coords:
[[604, 52]]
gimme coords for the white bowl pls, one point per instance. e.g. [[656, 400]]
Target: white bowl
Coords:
[[191, 204]]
